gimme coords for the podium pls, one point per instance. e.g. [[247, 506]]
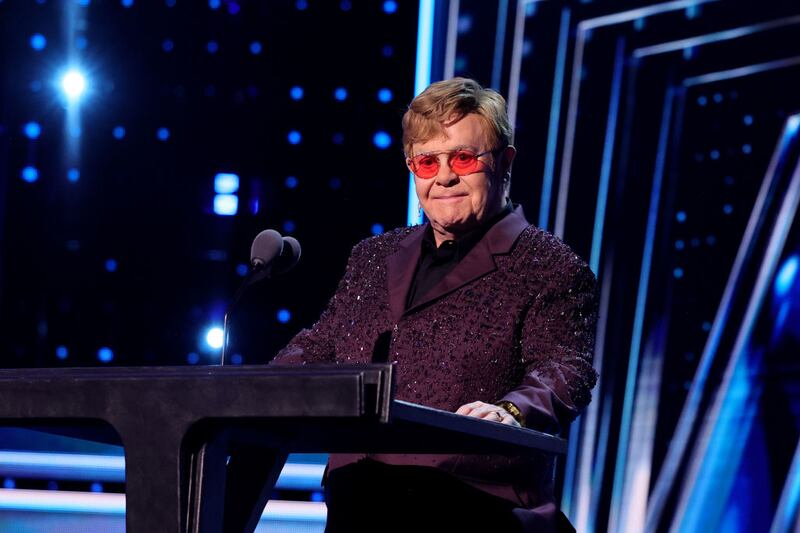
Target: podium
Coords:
[[204, 445]]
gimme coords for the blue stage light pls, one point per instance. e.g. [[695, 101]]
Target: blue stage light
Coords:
[[214, 4], [62, 352], [727, 209], [296, 92], [284, 316], [96, 487], [193, 358], [73, 175], [212, 47], [126, 3], [162, 134], [748, 120], [290, 182], [8, 483], [32, 130], [390, 6], [678, 273], [338, 138], [36, 86], [387, 50], [345, 5], [73, 83], [255, 48], [30, 174], [377, 229], [105, 354], [335, 184], [233, 8], [747, 149], [81, 42], [680, 245], [111, 265], [118, 132], [226, 183], [241, 269], [237, 359], [702, 100], [301, 5], [680, 216], [294, 137], [38, 42], [289, 226], [382, 140], [317, 496], [170, 3], [214, 337], [385, 95], [714, 154], [226, 204], [786, 276], [340, 94], [168, 45]]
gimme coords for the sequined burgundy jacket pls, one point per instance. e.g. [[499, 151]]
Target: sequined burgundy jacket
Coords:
[[514, 320]]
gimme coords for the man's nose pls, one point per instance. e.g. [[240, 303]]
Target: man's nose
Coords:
[[446, 176]]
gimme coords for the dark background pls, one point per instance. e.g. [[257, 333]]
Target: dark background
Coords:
[[650, 136]]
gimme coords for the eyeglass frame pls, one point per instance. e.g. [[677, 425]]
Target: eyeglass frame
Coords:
[[450, 158]]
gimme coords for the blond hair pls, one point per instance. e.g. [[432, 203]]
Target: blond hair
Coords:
[[448, 101]]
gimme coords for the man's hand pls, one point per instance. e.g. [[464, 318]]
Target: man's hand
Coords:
[[487, 411]]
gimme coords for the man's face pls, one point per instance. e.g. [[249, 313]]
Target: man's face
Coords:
[[457, 204]]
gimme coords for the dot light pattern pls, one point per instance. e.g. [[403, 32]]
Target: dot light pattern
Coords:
[[213, 90]]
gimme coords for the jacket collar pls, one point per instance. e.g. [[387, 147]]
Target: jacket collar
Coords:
[[402, 264]]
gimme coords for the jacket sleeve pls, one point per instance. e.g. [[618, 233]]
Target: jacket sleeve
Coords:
[[557, 345], [316, 345]]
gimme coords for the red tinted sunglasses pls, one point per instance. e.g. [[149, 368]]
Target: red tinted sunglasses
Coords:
[[462, 162]]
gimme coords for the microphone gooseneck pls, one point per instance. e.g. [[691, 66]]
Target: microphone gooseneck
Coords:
[[270, 254]]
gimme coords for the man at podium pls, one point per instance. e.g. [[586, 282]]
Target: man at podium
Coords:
[[482, 313]]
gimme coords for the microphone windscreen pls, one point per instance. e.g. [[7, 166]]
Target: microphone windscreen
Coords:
[[289, 256], [266, 246]]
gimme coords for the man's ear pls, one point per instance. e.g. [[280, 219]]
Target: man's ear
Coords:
[[507, 158]]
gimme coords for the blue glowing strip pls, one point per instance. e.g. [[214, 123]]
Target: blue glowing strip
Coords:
[[422, 79], [600, 210], [618, 507], [499, 43], [51, 501], [690, 509], [742, 71], [726, 35], [516, 62], [608, 156], [605, 172], [628, 16], [40, 465], [422, 76], [62, 466], [569, 134], [555, 117], [452, 36], [589, 467], [683, 430], [787, 515]]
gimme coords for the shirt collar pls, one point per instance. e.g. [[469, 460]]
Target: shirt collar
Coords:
[[462, 245]]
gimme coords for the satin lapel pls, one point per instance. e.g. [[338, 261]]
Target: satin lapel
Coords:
[[480, 260], [400, 267]]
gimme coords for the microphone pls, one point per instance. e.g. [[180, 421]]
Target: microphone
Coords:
[[270, 254]]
